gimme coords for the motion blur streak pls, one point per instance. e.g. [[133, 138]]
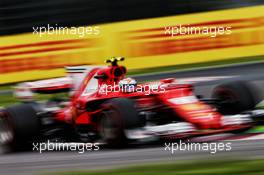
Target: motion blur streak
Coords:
[[141, 41]]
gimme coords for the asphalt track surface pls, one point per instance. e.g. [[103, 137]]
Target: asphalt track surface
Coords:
[[35, 163]]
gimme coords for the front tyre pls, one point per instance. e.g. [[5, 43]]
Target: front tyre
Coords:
[[235, 97], [117, 115]]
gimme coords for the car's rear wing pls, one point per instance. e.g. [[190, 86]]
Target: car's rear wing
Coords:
[[25, 91], [75, 76]]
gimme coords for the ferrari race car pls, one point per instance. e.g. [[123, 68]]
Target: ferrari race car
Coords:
[[105, 106]]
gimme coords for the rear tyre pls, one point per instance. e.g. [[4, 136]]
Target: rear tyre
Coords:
[[235, 97], [18, 125], [118, 114]]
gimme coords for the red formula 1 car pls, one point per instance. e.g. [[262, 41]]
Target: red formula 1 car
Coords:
[[104, 105]]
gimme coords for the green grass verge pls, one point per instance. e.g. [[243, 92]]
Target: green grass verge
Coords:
[[9, 99], [5, 87], [257, 129], [212, 167]]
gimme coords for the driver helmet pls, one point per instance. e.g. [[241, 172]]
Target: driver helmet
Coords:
[[128, 85]]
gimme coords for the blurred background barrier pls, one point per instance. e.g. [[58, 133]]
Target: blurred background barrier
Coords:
[[27, 56]]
